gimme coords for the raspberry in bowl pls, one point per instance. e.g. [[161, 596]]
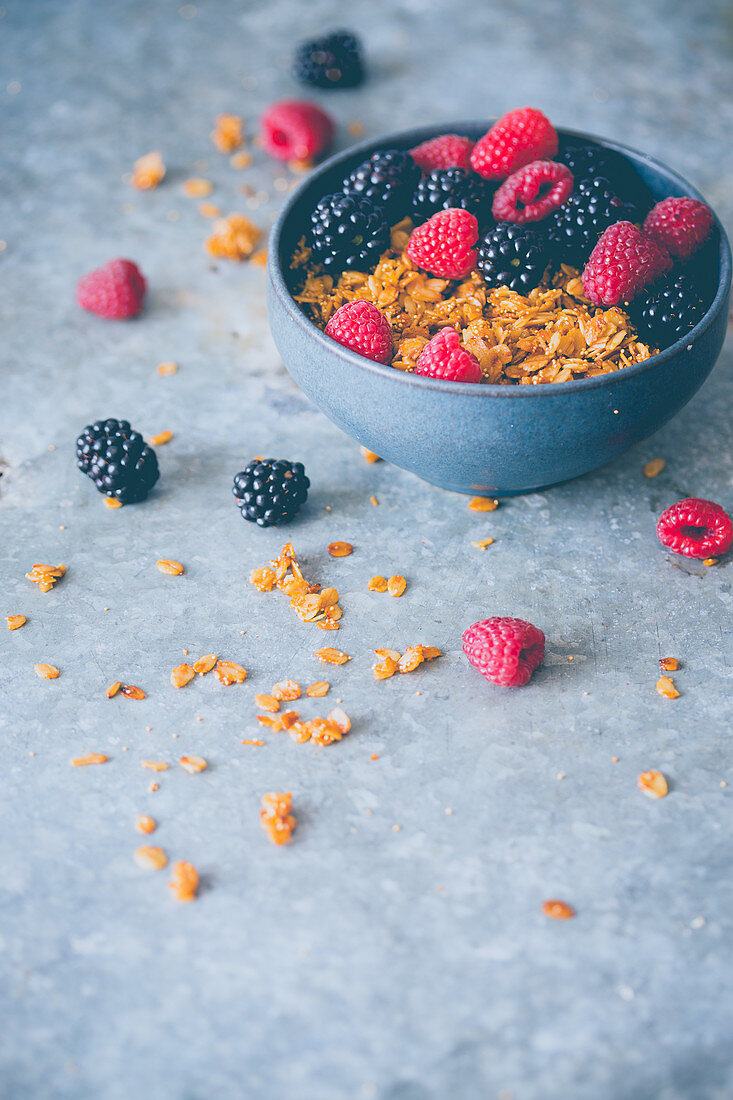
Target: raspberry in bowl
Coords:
[[569, 378]]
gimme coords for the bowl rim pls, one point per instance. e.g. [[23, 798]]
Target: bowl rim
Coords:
[[415, 135]]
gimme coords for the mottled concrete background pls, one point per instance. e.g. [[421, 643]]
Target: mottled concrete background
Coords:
[[361, 961]]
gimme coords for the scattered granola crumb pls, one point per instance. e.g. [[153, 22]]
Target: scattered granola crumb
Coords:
[[150, 858], [205, 664], [193, 764], [614, 760], [197, 188], [369, 456], [654, 467], [229, 672], [483, 504], [259, 258], [155, 765], [47, 672], [160, 439], [148, 171], [374, 756], [182, 675], [331, 656], [558, 910], [653, 784], [90, 758], [373, 500], [185, 881], [710, 561], [144, 823], [252, 741], [317, 690], [396, 585], [46, 576], [113, 689], [377, 584], [209, 210], [324, 731], [669, 664], [112, 502], [276, 816], [234, 238], [166, 368], [132, 691], [481, 544], [264, 579], [268, 703], [665, 688], [396, 828], [154, 787], [355, 128], [172, 568], [227, 134], [340, 549], [15, 621]]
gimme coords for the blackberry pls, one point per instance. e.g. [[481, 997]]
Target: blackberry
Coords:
[[585, 161], [669, 310], [118, 460], [270, 491], [577, 225], [514, 256], [333, 61], [348, 232], [589, 161], [448, 188], [388, 180]]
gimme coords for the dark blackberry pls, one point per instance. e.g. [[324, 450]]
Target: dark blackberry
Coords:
[[575, 228], [348, 232], [448, 188], [585, 161], [514, 256], [668, 311], [589, 161], [333, 61], [118, 460], [388, 180], [270, 491]]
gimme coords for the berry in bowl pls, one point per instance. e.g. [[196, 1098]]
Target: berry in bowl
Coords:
[[497, 308]]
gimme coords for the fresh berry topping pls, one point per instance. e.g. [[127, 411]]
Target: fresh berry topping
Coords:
[[360, 326], [295, 130], [592, 207], [115, 291], [696, 528], [669, 310], [621, 265], [444, 245], [270, 491], [679, 225], [504, 650], [533, 192], [446, 151], [117, 459], [518, 138], [348, 232], [449, 188], [514, 256], [443, 357], [333, 61], [588, 161], [387, 179]]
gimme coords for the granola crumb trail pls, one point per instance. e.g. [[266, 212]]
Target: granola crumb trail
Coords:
[[241, 160], [653, 784], [264, 579], [169, 367], [396, 585], [669, 664], [369, 456], [286, 690], [481, 544], [377, 584], [113, 689], [184, 882], [654, 467], [154, 787], [155, 765], [229, 672], [205, 664], [182, 675], [234, 238], [148, 171], [317, 690], [90, 758], [268, 703], [310, 602], [209, 210], [410, 659], [46, 576], [340, 549], [193, 764], [374, 756], [160, 439], [197, 188], [112, 502], [15, 621], [146, 824], [47, 672], [483, 504], [227, 134], [132, 691], [331, 656], [252, 741], [391, 661], [172, 568], [276, 816], [558, 910], [150, 858], [665, 688], [374, 501]]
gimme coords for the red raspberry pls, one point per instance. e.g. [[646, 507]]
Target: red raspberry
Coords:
[[115, 291], [516, 139], [504, 650], [443, 245], [446, 151], [532, 192], [621, 265], [443, 357], [679, 225], [295, 130], [360, 326], [696, 528]]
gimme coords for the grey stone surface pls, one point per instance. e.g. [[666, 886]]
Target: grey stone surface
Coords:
[[361, 961]]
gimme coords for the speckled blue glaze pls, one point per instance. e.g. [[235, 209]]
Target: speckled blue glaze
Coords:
[[498, 440]]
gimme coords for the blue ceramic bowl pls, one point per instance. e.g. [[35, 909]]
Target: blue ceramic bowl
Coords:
[[473, 438]]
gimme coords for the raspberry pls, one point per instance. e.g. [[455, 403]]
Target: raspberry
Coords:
[[533, 192], [360, 326], [621, 265], [295, 130], [696, 528], [444, 244], [446, 151], [115, 291], [518, 138], [443, 357], [504, 650], [679, 225]]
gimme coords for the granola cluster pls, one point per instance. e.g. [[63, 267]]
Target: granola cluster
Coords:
[[310, 602]]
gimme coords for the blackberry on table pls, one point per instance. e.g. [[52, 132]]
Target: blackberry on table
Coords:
[[333, 61], [270, 491], [514, 256], [669, 310], [577, 225], [387, 179], [348, 231], [448, 188], [118, 460]]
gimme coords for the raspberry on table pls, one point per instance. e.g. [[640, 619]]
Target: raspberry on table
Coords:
[[532, 192], [294, 129], [387, 178], [118, 460], [504, 650], [679, 225], [348, 231], [446, 151], [359, 325], [444, 357], [669, 310], [444, 244], [115, 291], [518, 138], [592, 207], [270, 491], [449, 188], [696, 528], [332, 61], [622, 264], [514, 256]]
